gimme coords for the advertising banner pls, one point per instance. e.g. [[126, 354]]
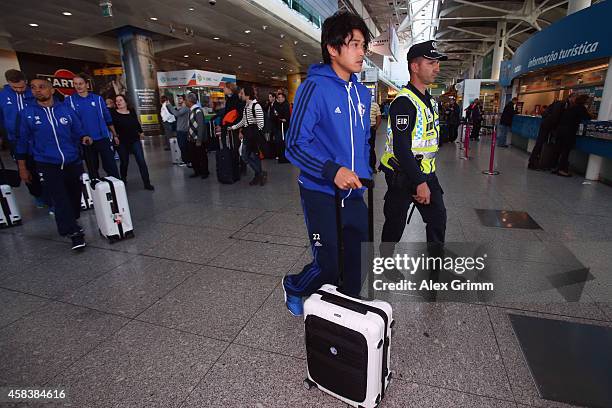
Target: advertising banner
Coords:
[[193, 77]]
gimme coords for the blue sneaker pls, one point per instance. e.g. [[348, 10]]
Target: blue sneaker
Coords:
[[51, 210], [294, 303]]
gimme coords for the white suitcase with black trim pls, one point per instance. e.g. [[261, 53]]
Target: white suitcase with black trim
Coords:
[[9, 213], [112, 208], [86, 193], [175, 151], [348, 340]]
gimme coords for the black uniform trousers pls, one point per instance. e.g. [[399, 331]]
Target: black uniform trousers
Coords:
[[397, 202]]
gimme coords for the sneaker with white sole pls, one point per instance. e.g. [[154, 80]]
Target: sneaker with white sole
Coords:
[[78, 241], [293, 303]]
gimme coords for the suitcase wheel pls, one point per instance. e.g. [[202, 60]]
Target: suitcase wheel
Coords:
[[308, 384]]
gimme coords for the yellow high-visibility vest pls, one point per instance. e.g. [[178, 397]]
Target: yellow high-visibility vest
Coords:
[[425, 133]]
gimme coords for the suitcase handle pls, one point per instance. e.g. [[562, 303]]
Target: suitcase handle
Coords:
[[94, 177], [369, 184]]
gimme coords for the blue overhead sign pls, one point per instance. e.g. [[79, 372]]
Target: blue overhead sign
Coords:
[[582, 36]]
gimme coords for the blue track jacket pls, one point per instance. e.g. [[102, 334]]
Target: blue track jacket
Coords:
[[11, 104], [54, 134], [330, 128], [93, 113]]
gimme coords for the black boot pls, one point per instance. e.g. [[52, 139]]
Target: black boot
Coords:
[[255, 180]]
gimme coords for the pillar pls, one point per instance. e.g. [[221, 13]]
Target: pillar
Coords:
[[472, 68], [137, 58], [293, 82], [605, 113], [498, 49], [577, 5]]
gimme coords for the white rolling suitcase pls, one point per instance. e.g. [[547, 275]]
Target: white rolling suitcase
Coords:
[[9, 214], [175, 151], [86, 193], [348, 340], [112, 208]]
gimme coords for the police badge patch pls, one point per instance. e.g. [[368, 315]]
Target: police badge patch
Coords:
[[402, 122]]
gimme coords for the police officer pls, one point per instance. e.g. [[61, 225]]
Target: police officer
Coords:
[[409, 160]]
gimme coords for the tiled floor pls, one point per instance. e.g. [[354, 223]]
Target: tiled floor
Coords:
[[190, 312]]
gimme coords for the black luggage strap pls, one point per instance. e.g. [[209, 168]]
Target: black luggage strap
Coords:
[[114, 205]]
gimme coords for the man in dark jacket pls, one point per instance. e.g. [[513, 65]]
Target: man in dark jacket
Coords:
[[476, 120], [567, 130], [453, 114], [505, 122], [281, 123], [550, 120]]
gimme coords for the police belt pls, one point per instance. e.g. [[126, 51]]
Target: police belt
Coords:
[[402, 180]]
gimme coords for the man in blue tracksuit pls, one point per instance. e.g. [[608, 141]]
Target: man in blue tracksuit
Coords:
[[53, 133], [97, 122], [14, 98], [328, 141]]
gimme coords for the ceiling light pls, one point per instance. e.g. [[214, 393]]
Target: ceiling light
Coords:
[[247, 31], [282, 36], [264, 27], [259, 63], [295, 43], [282, 59], [154, 18], [206, 60], [197, 53], [191, 9], [304, 55], [186, 56], [229, 55], [281, 46], [33, 25], [67, 13], [60, 43], [218, 58], [215, 38], [239, 66]]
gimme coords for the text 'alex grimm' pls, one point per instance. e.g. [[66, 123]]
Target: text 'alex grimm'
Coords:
[[410, 265]]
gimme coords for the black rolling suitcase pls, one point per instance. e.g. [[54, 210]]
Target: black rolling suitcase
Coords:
[[348, 340], [228, 159], [549, 157]]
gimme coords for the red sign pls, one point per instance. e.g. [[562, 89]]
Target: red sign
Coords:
[[62, 81]]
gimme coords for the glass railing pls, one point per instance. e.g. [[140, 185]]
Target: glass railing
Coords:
[[305, 10]]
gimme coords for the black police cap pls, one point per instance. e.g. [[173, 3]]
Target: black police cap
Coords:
[[427, 50]]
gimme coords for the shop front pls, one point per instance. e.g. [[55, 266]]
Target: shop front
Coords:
[[570, 56], [207, 85]]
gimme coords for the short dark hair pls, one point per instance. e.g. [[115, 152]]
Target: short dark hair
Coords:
[[14, 75], [581, 99], [84, 76], [163, 98], [249, 91], [180, 96], [282, 94], [337, 28]]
